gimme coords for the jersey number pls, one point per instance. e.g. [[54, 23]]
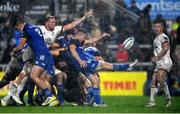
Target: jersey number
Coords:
[[39, 32]]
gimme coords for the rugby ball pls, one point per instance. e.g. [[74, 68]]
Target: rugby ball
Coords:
[[128, 43]]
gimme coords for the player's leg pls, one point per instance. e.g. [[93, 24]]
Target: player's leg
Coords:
[[61, 78], [116, 67], [13, 69], [60, 85], [35, 74], [161, 77], [48, 73], [12, 89], [22, 81], [95, 88], [87, 87], [153, 91]]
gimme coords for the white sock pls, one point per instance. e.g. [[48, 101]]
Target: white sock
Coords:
[[12, 90], [166, 91], [6, 98], [153, 94], [21, 86]]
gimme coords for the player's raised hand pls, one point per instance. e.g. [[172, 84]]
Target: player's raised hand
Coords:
[[82, 63], [89, 13]]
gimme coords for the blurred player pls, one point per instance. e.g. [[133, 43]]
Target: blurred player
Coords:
[[163, 64], [12, 70], [43, 68], [88, 65]]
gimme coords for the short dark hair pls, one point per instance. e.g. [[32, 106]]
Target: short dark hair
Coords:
[[49, 17], [160, 22], [81, 30], [19, 20], [69, 32]]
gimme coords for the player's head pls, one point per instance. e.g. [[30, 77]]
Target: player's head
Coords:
[[50, 23], [19, 24], [69, 34], [158, 27], [81, 35]]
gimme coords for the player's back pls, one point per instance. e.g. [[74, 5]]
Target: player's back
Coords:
[[35, 39]]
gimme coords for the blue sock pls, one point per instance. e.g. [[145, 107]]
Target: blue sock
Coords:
[[90, 90], [39, 94], [96, 94], [60, 93], [47, 92], [119, 67]]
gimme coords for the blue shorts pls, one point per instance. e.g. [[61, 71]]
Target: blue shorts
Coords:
[[90, 68], [45, 61]]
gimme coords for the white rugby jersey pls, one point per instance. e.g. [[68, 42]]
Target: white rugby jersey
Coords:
[[157, 45], [50, 36]]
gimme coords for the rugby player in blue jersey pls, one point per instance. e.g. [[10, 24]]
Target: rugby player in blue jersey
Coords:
[[88, 65], [43, 68]]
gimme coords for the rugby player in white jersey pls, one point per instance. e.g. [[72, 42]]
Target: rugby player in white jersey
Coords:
[[163, 63]]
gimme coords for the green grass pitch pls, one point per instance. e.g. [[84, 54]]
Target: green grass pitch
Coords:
[[121, 104]]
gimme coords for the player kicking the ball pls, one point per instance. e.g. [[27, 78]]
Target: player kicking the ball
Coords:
[[88, 65], [163, 64]]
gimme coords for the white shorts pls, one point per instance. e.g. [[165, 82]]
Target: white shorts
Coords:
[[163, 65]]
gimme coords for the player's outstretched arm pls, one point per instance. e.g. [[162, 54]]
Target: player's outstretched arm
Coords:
[[76, 56], [93, 40], [78, 21]]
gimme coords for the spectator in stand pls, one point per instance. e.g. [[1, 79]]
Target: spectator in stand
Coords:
[[178, 34], [147, 18], [133, 8], [122, 54], [174, 32]]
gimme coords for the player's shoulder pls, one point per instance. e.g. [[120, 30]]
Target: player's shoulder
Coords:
[[60, 39], [57, 29], [165, 37], [42, 27]]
